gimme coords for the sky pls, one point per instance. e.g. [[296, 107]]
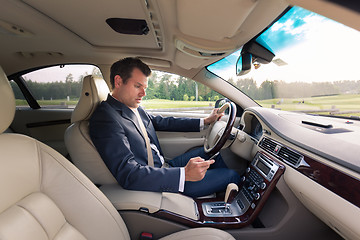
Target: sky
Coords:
[[316, 49], [57, 73]]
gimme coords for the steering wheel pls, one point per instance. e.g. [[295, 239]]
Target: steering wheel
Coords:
[[219, 131]]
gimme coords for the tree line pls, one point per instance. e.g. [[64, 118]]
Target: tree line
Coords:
[[51, 90], [280, 89], [160, 86], [171, 87], [178, 88]]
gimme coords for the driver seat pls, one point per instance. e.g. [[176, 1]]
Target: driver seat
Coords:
[[77, 138], [44, 196]]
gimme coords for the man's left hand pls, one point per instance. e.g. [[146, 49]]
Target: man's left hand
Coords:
[[214, 115]]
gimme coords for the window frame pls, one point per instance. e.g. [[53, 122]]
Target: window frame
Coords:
[[26, 91]]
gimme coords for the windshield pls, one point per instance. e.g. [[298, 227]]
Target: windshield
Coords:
[[315, 68]]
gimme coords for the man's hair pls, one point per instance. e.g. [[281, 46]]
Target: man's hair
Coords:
[[124, 68]]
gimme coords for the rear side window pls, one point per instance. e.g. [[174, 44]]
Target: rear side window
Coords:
[[57, 86]]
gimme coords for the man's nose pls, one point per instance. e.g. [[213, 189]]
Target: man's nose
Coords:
[[143, 92]]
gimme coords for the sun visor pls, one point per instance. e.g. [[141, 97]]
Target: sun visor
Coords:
[[124, 24], [204, 19]]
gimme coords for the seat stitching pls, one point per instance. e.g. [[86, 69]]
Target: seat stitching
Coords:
[[84, 136], [34, 219], [83, 185], [66, 222], [59, 229], [40, 165]]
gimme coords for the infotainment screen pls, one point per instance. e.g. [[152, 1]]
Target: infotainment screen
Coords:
[[265, 169]]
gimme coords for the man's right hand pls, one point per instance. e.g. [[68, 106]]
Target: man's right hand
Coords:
[[196, 168]]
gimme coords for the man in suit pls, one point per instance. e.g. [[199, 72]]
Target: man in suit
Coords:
[[117, 129]]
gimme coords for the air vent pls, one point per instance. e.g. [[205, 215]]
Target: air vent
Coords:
[[155, 22], [284, 153], [290, 156], [40, 54], [268, 145], [9, 28]]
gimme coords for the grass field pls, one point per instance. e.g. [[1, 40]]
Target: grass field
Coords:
[[323, 105], [341, 103]]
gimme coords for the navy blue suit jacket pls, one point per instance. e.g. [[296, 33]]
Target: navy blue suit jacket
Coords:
[[117, 136]]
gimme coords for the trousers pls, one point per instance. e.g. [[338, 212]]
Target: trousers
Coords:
[[216, 179]]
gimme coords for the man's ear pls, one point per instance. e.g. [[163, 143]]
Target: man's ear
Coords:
[[117, 81]]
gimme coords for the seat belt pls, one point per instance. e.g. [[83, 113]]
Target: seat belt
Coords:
[[145, 135]]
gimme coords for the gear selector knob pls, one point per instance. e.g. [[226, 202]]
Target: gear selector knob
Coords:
[[231, 191]]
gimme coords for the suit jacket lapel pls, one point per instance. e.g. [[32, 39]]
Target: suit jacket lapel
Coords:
[[125, 112], [146, 120]]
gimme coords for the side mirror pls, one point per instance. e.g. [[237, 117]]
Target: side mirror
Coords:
[[243, 64]]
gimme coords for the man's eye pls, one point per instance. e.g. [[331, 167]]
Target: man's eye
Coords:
[[137, 86]]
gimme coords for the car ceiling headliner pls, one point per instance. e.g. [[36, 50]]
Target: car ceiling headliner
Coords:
[[40, 32]]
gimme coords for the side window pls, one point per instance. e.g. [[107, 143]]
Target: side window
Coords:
[[56, 86], [176, 93]]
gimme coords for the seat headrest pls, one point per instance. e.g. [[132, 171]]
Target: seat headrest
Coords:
[[94, 90], [7, 102]]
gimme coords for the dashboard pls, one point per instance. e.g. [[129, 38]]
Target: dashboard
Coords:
[[334, 139], [321, 158]]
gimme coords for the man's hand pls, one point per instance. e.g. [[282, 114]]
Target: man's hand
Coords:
[[196, 168], [214, 115]]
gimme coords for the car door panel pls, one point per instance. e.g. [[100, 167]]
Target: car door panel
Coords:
[[176, 143], [45, 125]]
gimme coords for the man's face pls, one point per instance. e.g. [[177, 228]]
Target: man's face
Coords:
[[133, 91]]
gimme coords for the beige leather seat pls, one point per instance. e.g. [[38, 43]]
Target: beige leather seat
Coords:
[[77, 139], [44, 196], [85, 156]]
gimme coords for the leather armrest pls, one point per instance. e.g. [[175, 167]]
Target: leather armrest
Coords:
[[123, 199], [180, 204]]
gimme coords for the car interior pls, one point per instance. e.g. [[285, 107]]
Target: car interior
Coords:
[[300, 172]]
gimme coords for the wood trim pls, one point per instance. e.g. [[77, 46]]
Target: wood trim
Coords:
[[227, 131], [332, 179]]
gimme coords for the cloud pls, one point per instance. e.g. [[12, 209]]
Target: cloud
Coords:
[[316, 49]]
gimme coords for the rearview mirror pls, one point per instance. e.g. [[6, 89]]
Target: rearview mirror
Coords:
[[243, 64], [252, 53]]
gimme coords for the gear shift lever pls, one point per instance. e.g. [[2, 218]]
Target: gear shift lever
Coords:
[[231, 191]]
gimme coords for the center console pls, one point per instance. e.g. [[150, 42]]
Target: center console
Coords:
[[256, 185], [240, 209]]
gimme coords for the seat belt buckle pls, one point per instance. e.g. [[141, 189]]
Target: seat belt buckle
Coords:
[[146, 236]]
